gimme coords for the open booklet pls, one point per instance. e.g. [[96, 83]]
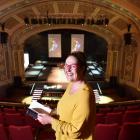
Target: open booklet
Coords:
[[36, 107]]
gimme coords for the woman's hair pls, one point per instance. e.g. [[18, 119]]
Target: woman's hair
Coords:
[[81, 59]]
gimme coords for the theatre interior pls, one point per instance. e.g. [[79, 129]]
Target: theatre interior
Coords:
[[36, 36]]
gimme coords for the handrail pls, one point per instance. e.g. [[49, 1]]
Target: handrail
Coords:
[[12, 104], [131, 102], [125, 103]]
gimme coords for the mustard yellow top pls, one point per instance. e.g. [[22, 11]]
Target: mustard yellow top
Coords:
[[76, 115]]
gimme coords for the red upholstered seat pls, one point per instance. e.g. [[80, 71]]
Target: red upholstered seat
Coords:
[[3, 134], [130, 131], [115, 117], [1, 118], [100, 118], [106, 132], [14, 119], [9, 110], [131, 116], [20, 132]]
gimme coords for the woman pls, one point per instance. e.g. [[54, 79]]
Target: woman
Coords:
[[76, 109]]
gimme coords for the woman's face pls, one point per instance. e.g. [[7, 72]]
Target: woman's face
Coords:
[[71, 69]]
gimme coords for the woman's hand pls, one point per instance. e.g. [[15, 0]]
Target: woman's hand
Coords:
[[44, 119]]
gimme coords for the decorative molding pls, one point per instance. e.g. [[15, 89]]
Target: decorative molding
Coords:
[[139, 82], [129, 64]]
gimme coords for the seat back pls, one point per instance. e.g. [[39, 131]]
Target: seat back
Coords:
[[100, 118], [9, 110], [20, 132], [106, 131], [1, 118], [130, 131], [3, 134], [32, 122], [115, 117], [131, 116], [13, 119]]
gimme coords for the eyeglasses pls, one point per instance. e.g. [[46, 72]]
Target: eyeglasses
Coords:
[[72, 66]]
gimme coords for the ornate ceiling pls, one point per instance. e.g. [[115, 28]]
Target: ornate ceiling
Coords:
[[120, 12]]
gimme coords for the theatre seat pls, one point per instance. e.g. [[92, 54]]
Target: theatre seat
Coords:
[[20, 132], [115, 117], [131, 116], [1, 118], [119, 109], [130, 131], [106, 131], [3, 134], [13, 119], [100, 118], [105, 110], [133, 107], [9, 110], [32, 122]]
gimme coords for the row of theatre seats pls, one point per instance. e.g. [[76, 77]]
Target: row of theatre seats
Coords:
[[119, 115], [16, 132], [120, 122], [128, 131], [15, 124]]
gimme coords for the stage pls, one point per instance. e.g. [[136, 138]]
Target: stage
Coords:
[[54, 72], [47, 81]]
